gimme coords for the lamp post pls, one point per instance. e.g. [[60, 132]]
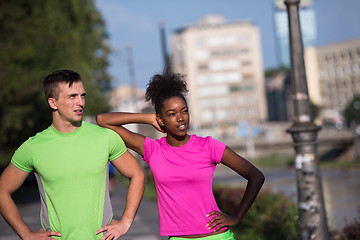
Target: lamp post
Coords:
[[312, 215], [163, 44]]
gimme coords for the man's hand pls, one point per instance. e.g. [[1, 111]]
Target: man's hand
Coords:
[[115, 229], [41, 234], [221, 220]]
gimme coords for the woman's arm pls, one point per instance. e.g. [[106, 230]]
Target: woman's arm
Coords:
[[115, 120], [255, 181]]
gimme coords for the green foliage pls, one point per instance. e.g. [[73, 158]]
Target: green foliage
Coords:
[[350, 231], [37, 38], [272, 216], [352, 111], [274, 160], [150, 189], [315, 109]]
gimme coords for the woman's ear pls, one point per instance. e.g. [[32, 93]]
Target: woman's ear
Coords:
[[159, 120]]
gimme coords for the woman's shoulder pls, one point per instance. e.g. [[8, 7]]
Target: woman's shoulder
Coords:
[[207, 141], [156, 141], [202, 139]]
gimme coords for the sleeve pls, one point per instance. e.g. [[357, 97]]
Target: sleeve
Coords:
[[116, 145], [148, 148], [23, 158], [216, 149]]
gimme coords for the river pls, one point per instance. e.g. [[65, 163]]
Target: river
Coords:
[[341, 190]]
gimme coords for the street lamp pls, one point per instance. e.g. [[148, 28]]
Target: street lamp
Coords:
[[312, 215], [163, 44]]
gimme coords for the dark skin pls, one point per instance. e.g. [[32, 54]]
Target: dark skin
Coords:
[[174, 120]]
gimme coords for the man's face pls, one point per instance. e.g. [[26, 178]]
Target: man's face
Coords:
[[70, 102]]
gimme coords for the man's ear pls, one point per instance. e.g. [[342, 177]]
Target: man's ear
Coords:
[[52, 103]]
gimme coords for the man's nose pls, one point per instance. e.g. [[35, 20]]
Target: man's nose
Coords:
[[81, 101]]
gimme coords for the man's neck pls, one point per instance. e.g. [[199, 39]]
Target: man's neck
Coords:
[[66, 127]]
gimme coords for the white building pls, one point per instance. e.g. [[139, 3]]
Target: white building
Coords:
[[223, 65], [125, 98], [333, 76]]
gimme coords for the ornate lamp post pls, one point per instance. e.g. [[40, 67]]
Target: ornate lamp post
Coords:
[[312, 215]]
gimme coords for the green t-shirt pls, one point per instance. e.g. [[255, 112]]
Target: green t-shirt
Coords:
[[72, 174]]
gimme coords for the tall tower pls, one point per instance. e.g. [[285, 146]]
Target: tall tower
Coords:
[[281, 26], [222, 62]]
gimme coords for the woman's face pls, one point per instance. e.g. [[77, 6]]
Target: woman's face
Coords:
[[175, 116]]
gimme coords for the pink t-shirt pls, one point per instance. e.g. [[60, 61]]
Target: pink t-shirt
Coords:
[[183, 179]]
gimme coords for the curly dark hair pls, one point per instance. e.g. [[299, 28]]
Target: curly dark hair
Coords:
[[164, 86]]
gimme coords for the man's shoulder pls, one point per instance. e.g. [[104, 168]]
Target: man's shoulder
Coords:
[[38, 137], [41, 134], [93, 127], [95, 130], [90, 125]]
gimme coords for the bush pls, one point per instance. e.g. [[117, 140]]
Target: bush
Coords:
[[350, 232], [272, 216]]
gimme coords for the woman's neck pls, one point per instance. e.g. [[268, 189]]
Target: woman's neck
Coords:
[[177, 141]]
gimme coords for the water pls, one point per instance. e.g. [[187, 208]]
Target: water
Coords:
[[341, 189]]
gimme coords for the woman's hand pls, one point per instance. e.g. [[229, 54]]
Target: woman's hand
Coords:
[[156, 124], [221, 220], [115, 229]]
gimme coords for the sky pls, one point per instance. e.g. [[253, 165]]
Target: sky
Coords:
[[135, 23]]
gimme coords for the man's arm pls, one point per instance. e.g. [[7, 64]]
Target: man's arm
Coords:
[[10, 181], [128, 166]]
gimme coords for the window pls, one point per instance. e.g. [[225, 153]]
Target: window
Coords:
[[224, 65], [202, 55], [203, 66]]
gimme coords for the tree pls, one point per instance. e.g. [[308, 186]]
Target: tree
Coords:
[[352, 111], [36, 38]]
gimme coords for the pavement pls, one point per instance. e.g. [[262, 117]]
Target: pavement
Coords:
[[144, 227]]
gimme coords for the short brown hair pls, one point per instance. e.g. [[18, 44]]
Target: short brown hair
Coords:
[[52, 80]]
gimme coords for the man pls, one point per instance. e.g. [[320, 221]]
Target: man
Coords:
[[70, 162]]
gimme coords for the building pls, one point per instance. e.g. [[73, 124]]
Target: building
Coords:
[[333, 76], [281, 26], [222, 62], [124, 98]]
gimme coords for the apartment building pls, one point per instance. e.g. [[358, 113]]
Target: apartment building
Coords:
[[223, 65], [333, 75]]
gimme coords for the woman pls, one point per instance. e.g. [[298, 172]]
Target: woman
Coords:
[[182, 165]]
